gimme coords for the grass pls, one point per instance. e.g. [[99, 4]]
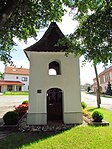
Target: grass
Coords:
[[80, 137], [106, 96], [15, 93]]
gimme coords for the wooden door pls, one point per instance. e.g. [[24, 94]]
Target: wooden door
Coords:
[[54, 105]]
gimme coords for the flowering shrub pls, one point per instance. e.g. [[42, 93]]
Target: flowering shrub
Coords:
[[21, 109]]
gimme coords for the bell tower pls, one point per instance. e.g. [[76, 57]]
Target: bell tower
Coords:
[[54, 89]]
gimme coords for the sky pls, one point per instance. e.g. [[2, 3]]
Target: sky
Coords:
[[67, 26]]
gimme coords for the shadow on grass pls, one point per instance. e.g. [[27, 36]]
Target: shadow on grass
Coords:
[[19, 139], [90, 93]]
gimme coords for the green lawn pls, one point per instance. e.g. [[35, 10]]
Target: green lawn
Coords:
[[15, 93], [80, 137]]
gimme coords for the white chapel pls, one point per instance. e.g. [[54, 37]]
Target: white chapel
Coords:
[[54, 83]]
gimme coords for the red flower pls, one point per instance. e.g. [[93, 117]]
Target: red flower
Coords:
[[21, 109]]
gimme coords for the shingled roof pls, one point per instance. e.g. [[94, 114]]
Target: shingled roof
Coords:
[[14, 70], [8, 82], [49, 40]]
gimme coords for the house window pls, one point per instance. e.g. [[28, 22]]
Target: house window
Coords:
[[54, 68], [105, 87], [24, 78], [101, 80], [107, 77]]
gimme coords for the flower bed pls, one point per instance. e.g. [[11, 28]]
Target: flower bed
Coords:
[[21, 109], [15, 115], [90, 121]]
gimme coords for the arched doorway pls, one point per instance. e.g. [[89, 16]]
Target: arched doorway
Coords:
[[54, 105]]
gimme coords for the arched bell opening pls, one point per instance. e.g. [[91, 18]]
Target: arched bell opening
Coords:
[[54, 68]]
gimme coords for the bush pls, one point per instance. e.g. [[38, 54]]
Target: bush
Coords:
[[109, 90], [11, 118], [24, 102], [97, 116], [103, 93], [83, 104]]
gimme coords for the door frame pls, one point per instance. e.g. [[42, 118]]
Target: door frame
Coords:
[[52, 90]]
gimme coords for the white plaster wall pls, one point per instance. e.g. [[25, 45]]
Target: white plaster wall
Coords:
[[3, 88], [12, 77], [68, 81]]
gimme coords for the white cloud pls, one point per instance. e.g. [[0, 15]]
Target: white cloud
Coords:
[[22, 44], [87, 72], [19, 63], [2, 66], [68, 25]]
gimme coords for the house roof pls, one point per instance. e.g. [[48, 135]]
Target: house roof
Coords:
[[14, 70], [49, 40], [106, 70], [7, 82]]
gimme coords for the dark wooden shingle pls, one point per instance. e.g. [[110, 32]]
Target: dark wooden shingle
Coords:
[[49, 40]]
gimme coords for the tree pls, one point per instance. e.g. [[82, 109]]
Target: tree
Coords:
[[23, 19], [88, 88], [93, 37], [1, 75], [109, 90]]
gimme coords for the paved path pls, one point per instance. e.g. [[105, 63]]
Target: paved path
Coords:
[[7, 103], [90, 100]]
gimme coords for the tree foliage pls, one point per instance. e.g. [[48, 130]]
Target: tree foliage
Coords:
[[1, 75], [93, 38], [23, 19], [109, 90]]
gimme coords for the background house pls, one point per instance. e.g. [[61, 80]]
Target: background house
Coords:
[[104, 78], [15, 79], [85, 87]]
